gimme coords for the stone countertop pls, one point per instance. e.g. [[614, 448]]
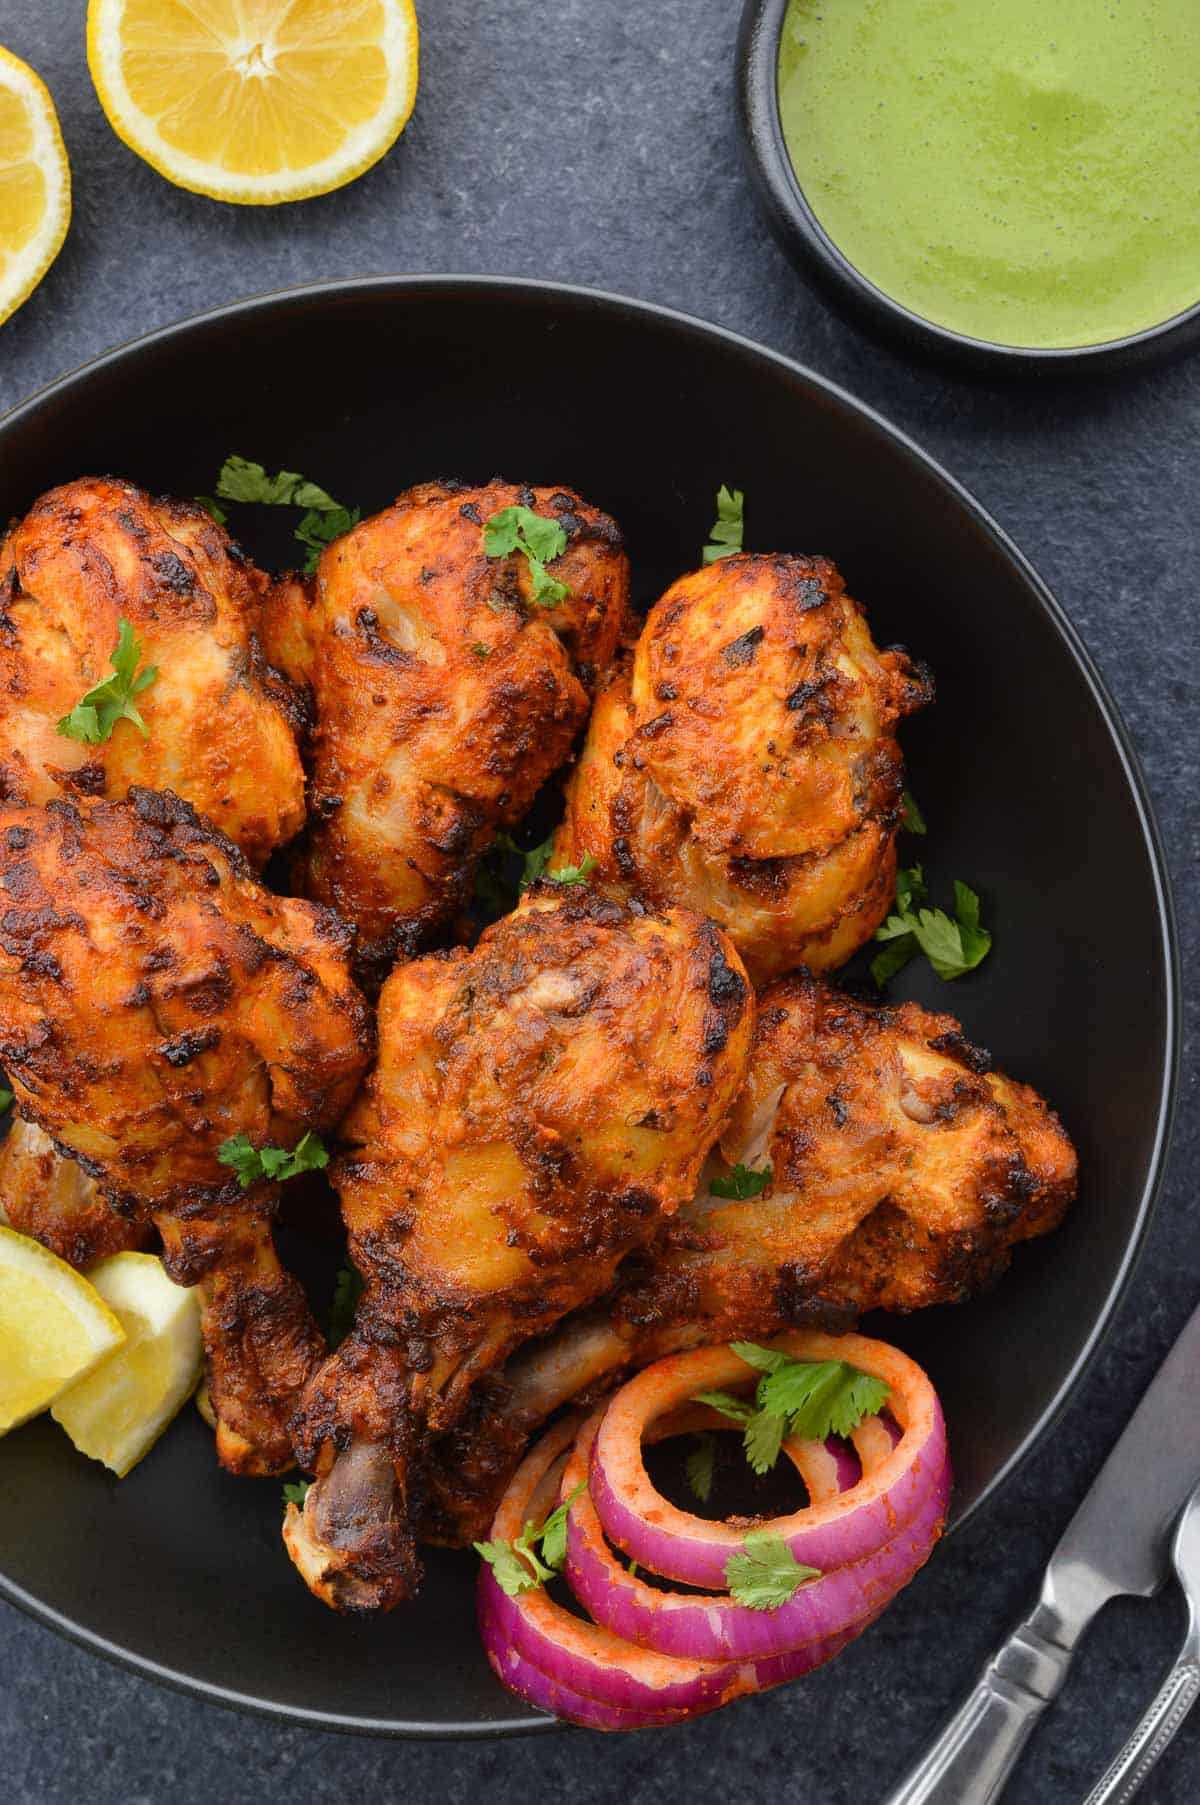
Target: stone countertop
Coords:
[[594, 142]]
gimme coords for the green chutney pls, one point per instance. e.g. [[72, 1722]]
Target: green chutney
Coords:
[[1025, 171]]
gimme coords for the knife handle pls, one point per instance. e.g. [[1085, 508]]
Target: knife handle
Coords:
[[978, 1748]]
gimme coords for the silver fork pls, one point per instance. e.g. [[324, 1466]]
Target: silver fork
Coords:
[[1180, 1688]]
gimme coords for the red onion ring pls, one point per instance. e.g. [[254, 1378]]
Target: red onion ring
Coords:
[[534, 1644], [820, 1617], [893, 1491]]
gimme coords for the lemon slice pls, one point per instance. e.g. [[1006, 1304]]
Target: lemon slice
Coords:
[[118, 1413], [54, 1328], [255, 101], [35, 183]]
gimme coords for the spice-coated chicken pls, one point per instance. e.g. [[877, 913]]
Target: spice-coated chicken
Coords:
[[900, 1172], [539, 1106], [59, 1204], [444, 694], [746, 764], [219, 721], [156, 1001]]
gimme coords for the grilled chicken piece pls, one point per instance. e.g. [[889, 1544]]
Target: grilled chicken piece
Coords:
[[219, 720], [59, 1204], [156, 1001], [539, 1106], [902, 1173], [444, 697], [746, 763]]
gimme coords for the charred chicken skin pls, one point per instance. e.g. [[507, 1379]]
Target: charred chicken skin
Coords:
[[745, 763], [539, 1107], [156, 1001], [444, 696], [219, 719], [902, 1173]]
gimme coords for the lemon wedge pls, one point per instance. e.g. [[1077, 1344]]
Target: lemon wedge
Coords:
[[54, 1328], [255, 101], [118, 1413], [35, 183]]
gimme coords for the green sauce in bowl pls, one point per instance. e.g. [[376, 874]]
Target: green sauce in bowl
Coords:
[[1021, 171]]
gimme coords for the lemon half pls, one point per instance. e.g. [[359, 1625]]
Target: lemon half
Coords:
[[255, 101], [54, 1328], [35, 183], [118, 1413]]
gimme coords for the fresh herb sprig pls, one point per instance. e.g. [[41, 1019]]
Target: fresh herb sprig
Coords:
[[252, 1163], [495, 890], [743, 1182], [728, 529], [296, 1491], [767, 1574], [913, 821], [347, 1289], [700, 1464], [323, 519], [519, 529], [535, 1556], [952, 945], [809, 1399], [6, 1100], [97, 712]]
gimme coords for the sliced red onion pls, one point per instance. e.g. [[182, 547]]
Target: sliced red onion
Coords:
[[820, 1617], [893, 1490], [531, 1633]]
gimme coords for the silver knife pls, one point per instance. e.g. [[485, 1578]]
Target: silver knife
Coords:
[[1115, 1543]]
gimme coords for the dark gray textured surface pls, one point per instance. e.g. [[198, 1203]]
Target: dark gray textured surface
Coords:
[[593, 142]]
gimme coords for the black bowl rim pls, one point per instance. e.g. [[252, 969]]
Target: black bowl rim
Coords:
[[398, 288], [800, 231]]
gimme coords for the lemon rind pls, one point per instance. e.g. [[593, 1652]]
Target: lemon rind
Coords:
[[50, 154]]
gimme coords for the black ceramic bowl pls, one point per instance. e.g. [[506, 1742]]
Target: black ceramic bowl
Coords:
[[1023, 771], [817, 255]]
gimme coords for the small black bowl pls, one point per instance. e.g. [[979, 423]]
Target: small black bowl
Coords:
[[815, 254]]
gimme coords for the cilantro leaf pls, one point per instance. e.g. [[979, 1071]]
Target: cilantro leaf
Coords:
[[767, 1574], [252, 1163], [742, 1182], [517, 1565], [726, 1403], [822, 1397], [296, 1492], [519, 529], [347, 1289], [212, 507], [699, 1465], [97, 711], [725, 534], [6, 1100], [317, 529], [914, 820], [323, 520], [810, 1399], [952, 946], [572, 874]]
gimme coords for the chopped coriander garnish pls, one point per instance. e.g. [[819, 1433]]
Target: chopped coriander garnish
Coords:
[[519, 529], [914, 820], [252, 1163], [296, 1491], [6, 1100], [725, 535], [809, 1399], [742, 1182], [767, 1574], [347, 1289], [480, 650], [212, 507], [97, 712], [517, 1565], [323, 520], [699, 1465], [572, 874], [951, 946]]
